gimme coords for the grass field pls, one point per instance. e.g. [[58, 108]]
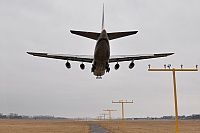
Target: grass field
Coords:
[[43, 126], [152, 126], [65, 126]]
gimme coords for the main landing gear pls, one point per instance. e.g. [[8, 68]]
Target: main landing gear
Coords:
[[107, 69]]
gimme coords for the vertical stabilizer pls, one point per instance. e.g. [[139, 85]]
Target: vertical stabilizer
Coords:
[[102, 28]]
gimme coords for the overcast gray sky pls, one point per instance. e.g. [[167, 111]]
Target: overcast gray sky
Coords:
[[38, 86]]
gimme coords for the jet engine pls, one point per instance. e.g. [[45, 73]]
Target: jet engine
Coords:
[[82, 66], [117, 66], [68, 65], [131, 65]]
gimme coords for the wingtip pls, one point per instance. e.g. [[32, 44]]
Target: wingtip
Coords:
[[171, 53], [72, 31], [30, 53], [163, 54]]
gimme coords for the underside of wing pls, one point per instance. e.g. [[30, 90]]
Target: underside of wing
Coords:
[[80, 58], [121, 58]]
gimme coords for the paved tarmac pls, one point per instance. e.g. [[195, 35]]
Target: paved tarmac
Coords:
[[97, 129]]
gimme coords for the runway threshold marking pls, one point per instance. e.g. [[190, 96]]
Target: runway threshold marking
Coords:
[[97, 129]]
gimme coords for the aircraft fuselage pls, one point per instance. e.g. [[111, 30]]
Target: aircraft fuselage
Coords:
[[101, 55]]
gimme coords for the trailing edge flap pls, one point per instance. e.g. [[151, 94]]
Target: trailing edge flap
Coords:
[[116, 35], [91, 35]]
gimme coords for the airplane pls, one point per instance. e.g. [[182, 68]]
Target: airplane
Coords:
[[101, 58]]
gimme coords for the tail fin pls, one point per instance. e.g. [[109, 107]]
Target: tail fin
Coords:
[[102, 28]]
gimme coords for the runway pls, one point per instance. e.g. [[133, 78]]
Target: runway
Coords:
[[97, 129]]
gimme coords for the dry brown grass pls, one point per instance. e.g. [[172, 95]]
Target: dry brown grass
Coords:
[[186, 126], [43, 126], [65, 126]]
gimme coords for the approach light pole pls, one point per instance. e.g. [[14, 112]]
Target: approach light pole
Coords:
[[104, 116], [109, 113], [173, 70], [100, 116], [122, 102]]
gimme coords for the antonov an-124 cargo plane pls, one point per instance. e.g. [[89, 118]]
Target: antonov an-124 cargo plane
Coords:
[[101, 58]]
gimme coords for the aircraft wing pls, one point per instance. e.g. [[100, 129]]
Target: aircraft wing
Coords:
[[121, 58], [81, 58]]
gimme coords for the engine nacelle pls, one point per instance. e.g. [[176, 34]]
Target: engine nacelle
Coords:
[[68, 65], [82, 66], [131, 65], [117, 66]]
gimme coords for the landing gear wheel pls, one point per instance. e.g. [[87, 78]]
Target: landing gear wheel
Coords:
[[108, 69]]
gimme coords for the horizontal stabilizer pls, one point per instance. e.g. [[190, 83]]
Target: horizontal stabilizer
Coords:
[[116, 35], [91, 35]]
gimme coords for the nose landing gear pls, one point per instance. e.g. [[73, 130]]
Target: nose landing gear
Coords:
[[98, 77]]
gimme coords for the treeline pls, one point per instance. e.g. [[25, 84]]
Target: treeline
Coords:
[[17, 116], [10, 116], [46, 117], [190, 117]]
